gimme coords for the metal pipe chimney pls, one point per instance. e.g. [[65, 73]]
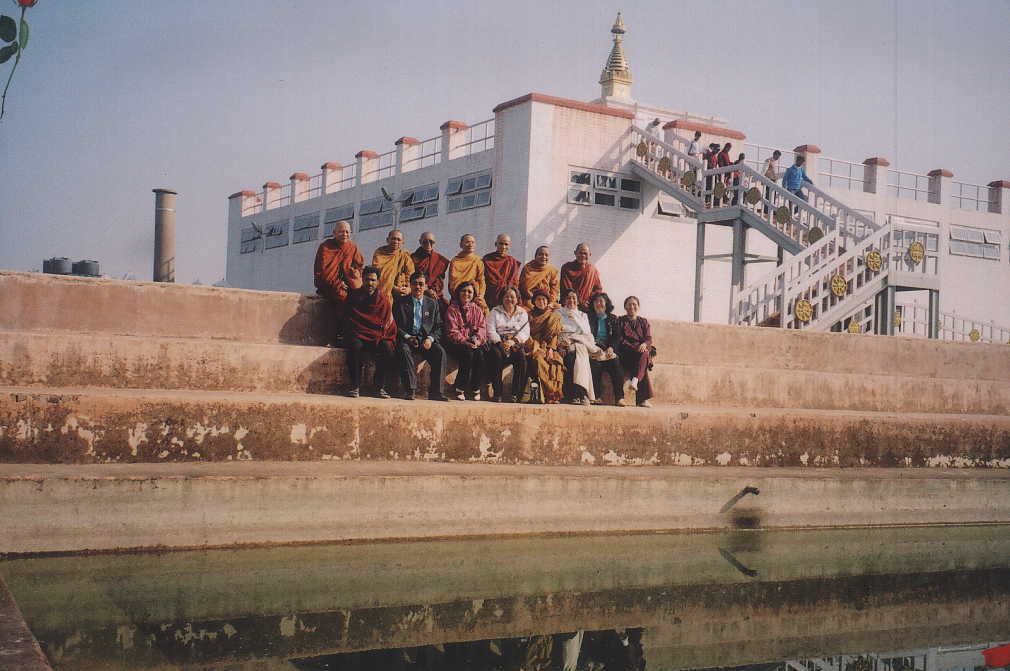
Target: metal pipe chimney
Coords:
[[164, 235]]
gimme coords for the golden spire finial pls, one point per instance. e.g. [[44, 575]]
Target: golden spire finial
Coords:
[[616, 78]]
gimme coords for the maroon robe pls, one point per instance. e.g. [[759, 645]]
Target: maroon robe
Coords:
[[434, 266], [370, 317], [585, 280], [501, 271]]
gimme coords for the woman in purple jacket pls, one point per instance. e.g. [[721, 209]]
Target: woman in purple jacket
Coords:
[[466, 339], [636, 350]]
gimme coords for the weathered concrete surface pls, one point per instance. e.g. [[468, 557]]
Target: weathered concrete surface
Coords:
[[107, 425], [71, 508], [18, 648], [102, 360], [813, 593]]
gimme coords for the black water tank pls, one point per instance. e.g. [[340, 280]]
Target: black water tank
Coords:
[[58, 265], [86, 268]]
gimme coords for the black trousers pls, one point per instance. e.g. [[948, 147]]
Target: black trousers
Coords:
[[382, 353], [495, 365], [471, 366], [571, 390], [435, 356], [614, 371]]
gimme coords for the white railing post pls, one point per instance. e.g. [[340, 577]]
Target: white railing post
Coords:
[[366, 165], [271, 195], [332, 175], [939, 186], [407, 151], [999, 196], [299, 187], [242, 204], [453, 137], [875, 175]]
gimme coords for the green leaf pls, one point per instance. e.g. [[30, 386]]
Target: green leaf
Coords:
[[8, 29], [24, 34], [7, 52]]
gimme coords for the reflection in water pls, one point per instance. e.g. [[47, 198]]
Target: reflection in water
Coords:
[[746, 599]]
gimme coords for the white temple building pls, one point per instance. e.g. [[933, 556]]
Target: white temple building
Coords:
[[872, 249]]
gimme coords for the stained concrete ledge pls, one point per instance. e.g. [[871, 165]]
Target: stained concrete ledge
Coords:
[[76, 508], [149, 426], [101, 360], [18, 648]]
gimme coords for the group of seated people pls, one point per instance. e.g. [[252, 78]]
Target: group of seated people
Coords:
[[556, 328]]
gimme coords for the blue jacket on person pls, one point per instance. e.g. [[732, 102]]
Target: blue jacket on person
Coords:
[[794, 178]]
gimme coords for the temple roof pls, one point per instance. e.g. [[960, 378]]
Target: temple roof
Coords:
[[617, 68]]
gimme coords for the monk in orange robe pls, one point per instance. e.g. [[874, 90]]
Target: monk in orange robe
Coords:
[[468, 267], [545, 361], [501, 271], [432, 264], [540, 274], [581, 276], [395, 266], [338, 266]]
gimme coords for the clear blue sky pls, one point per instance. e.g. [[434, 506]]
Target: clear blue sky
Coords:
[[115, 98]]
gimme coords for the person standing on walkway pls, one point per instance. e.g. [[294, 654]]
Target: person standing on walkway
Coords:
[[771, 172], [711, 158], [795, 178], [723, 160], [694, 149]]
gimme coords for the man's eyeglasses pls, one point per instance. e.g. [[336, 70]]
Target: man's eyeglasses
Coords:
[[427, 242]]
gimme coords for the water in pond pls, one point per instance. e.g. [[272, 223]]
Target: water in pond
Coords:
[[916, 599]]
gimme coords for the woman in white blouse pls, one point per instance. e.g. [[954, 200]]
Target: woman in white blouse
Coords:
[[580, 344], [508, 329]]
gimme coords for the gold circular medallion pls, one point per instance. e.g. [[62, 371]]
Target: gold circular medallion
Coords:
[[814, 234], [916, 252], [974, 335], [854, 327], [803, 310], [783, 214], [753, 195], [664, 164], [874, 261], [719, 190], [689, 178], [642, 149], [839, 286]]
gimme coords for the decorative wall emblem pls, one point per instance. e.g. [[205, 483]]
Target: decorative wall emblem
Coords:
[[803, 310], [664, 164], [855, 327], [642, 149], [874, 261], [783, 214], [974, 335], [753, 195], [690, 178], [839, 286], [814, 234], [916, 252]]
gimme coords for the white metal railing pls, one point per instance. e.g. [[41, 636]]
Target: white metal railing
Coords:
[[429, 153], [315, 186], [252, 205], [910, 185], [479, 137], [384, 166], [757, 154], [965, 196], [914, 321], [835, 173]]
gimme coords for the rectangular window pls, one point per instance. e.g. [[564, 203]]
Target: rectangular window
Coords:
[[335, 214], [629, 203], [582, 178], [631, 185], [605, 199], [276, 235], [412, 199], [606, 182], [250, 240], [377, 220], [966, 234], [474, 191], [578, 196], [306, 227], [371, 206], [605, 189], [993, 237]]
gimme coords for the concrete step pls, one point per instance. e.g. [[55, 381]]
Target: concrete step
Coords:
[[87, 425], [102, 360], [54, 508], [38, 303]]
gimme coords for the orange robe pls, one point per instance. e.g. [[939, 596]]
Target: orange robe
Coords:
[[501, 271], [434, 266], [395, 268], [533, 278], [585, 280], [337, 269], [467, 268], [542, 349]]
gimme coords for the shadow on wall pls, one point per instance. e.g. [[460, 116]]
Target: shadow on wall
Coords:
[[314, 323]]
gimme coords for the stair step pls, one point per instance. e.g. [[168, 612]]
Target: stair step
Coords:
[[81, 426]]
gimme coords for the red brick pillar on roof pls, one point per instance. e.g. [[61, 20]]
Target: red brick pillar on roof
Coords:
[[368, 163], [875, 174], [407, 151], [271, 195], [999, 196], [242, 204], [939, 186], [453, 138], [299, 187], [809, 152], [333, 173]]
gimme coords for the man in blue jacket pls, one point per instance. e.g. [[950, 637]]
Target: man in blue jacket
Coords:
[[794, 178], [418, 329]]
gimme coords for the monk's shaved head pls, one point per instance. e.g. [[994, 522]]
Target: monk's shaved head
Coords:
[[502, 243], [342, 231], [427, 235], [581, 245], [465, 236]]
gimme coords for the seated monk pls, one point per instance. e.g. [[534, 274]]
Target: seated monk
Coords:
[[370, 329], [467, 267], [337, 269], [546, 364], [539, 275], [501, 271], [433, 265], [581, 276], [395, 266]]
